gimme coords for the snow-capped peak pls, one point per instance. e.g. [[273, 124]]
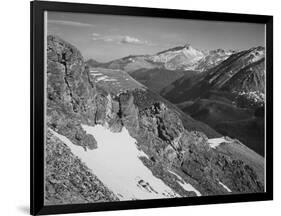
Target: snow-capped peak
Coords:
[[179, 57], [189, 58]]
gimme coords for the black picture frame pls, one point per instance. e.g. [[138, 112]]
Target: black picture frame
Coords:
[[37, 106]]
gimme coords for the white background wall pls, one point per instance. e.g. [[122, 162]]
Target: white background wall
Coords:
[[14, 107]]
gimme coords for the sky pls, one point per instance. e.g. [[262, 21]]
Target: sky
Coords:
[[108, 37]]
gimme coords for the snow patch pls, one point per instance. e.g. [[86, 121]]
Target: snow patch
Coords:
[[255, 96], [116, 162], [175, 174], [184, 185], [215, 142], [105, 79], [189, 187], [101, 78], [110, 80], [96, 74], [225, 187]]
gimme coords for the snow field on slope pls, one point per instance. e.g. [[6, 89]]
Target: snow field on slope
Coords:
[[184, 185], [116, 162], [225, 187], [215, 142]]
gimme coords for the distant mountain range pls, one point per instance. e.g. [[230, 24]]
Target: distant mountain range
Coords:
[[159, 70], [227, 96], [178, 58], [223, 88], [241, 73]]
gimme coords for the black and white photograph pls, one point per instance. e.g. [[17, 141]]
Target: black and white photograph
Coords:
[[143, 108], [146, 108]]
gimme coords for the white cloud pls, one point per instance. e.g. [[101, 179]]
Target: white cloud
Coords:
[[95, 35], [132, 40], [120, 39], [70, 23]]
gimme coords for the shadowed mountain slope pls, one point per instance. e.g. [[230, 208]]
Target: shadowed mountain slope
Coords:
[[227, 96]]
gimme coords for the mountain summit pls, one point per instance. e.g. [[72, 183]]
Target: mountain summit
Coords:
[[184, 57]]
